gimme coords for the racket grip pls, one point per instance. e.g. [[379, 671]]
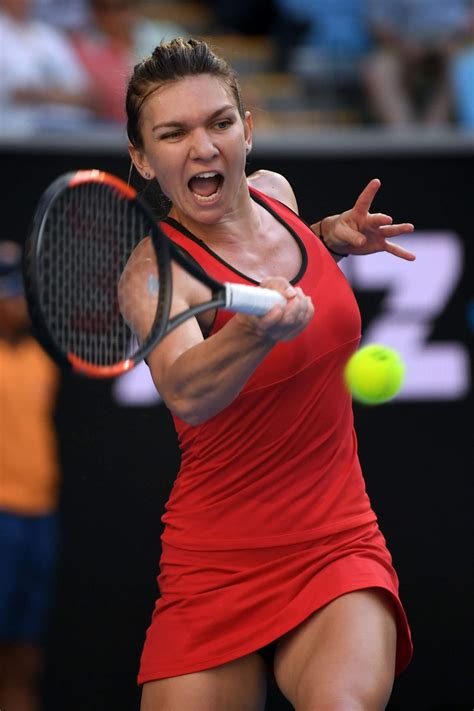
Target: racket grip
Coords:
[[253, 300]]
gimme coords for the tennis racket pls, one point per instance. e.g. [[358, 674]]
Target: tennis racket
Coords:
[[94, 257]]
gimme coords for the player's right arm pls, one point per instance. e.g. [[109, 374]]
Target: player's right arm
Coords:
[[197, 377]]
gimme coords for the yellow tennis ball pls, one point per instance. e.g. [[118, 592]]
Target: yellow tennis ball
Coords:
[[374, 374]]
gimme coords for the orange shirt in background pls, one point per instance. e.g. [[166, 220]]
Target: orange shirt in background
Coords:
[[29, 468]]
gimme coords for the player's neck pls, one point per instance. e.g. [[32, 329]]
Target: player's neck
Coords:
[[241, 225]]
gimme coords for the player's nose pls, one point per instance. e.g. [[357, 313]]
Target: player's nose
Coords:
[[202, 146]]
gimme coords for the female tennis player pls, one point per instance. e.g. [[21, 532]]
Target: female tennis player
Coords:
[[271, 552]]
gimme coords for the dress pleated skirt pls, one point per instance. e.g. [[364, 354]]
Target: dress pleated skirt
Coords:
[[216, 606]]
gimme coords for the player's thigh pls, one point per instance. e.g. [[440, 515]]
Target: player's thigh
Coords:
[[239, 685], [342, 657]]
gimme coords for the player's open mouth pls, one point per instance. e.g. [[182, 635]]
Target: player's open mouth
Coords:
[[206, 186]]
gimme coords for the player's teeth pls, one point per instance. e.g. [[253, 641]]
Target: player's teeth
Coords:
[[206, 175], [206, 198]]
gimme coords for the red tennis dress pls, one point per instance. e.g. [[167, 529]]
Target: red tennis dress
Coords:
[[268, 519]]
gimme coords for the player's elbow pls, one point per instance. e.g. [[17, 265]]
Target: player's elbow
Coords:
[[179, 401], [190, 401], [188, 410]]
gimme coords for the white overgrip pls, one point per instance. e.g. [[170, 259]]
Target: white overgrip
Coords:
[[253, 300]]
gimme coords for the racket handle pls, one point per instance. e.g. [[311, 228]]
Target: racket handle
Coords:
[[253, 300]]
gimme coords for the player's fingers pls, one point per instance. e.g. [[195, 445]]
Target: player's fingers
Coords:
[[353, 238], [379, 219], [398, 251], [293, 310], [295, 304], [271, 318], [279, 284], [283, 323], [365, 199], [304, 318], [298, 312], [400, 229], [305, 307]]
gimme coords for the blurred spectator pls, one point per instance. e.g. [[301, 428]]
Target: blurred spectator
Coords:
[[408, 74], [117, 37], [462, 78], [65, 14], [43, 85], [336, 41], [28, 492]]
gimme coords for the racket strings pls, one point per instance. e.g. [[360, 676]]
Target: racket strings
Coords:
[[86, 243]]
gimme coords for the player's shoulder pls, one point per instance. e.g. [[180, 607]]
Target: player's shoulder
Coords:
[[274, 185]]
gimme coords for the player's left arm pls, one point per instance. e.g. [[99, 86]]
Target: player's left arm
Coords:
[[355, 231], [359, 231]]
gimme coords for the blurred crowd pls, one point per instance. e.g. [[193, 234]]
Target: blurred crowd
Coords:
[[65, 63], [29, 492]]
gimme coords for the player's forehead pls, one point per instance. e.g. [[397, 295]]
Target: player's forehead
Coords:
[[188, 99]]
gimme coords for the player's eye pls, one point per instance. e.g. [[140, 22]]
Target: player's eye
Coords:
[[223, 124], [172, 135]]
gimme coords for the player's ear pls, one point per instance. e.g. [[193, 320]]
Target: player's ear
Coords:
[[248, 131], [140, 162]]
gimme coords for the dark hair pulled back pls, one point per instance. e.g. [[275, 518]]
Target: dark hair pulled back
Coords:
[[169, 62]]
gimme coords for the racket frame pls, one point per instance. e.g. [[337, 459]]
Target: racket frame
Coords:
[[31, 254], [235, 297]]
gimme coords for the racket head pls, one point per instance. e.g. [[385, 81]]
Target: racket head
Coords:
[[86, 228]]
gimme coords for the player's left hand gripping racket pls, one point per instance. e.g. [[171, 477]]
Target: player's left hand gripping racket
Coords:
[[94, 254]]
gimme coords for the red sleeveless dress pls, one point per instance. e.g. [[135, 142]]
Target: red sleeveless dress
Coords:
[[268, 519]]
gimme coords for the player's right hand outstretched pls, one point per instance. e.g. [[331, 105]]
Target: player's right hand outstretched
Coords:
[[285, 322]]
